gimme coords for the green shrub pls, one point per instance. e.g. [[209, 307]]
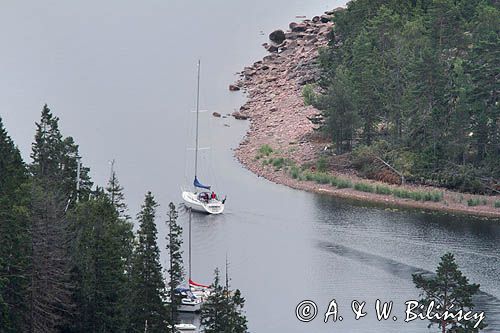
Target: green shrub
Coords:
[[436, 196], [334, 180], [473, 202], [279, 162], [308, 175], [308, 94], [400, 193], [322, 164], [265, 150], [295, 172], [364, 187], [322, 178], [381, 189], [344, 183], [426, 196], [497, 204]]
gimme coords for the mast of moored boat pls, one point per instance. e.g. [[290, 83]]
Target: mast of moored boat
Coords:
[[189, 254]]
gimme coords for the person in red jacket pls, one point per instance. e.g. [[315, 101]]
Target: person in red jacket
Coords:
[[213, 196]]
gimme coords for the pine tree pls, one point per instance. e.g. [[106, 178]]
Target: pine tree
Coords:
[[484, 99], [148, 286], [176, 270], [338, 107], [222, 311], [451, 290]]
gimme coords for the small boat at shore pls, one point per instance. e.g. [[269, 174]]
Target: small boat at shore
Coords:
[[201, 198]]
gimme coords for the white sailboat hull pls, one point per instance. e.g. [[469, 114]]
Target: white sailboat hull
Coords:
[[195, 307], [211, 207], [185, 327]]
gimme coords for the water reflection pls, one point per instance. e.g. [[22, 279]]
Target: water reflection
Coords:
[[404, 242]]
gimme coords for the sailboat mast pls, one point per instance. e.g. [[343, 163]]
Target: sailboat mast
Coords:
[[197, 120], [189, 245]]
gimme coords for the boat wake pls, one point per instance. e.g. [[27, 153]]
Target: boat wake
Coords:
[[484, 301]]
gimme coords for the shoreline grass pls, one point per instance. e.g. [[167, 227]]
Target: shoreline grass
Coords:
[[340, 183], [303, 173]]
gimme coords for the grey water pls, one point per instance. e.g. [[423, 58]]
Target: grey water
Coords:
[[121, 75]]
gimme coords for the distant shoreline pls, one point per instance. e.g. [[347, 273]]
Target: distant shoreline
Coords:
[[280, 120]]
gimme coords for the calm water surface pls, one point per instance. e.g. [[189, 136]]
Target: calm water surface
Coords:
[[121, 76]]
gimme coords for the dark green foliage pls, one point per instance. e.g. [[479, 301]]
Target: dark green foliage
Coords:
[[100, 253], [222, 312], [452, 290], [148, 291], [295, 172], [116, 196], [55, 159], [343, 183], [14, 238], [265, 150], [363, 187], [322, 164], [420, 80], [308, 95], [176, 268], [473, 202], [381, 189], [50, 288], [68, 266]]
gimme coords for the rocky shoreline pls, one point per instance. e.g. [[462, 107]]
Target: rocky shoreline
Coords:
[[279, 119]]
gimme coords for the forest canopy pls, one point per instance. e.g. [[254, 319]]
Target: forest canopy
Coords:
[[416, 83]]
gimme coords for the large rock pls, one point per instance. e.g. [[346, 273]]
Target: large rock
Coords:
[[272, 48], [277, 36], [239, 116], [334, 11], [326, 18], [298, 27]]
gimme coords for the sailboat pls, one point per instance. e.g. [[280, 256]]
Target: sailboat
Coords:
[[192, 298], [199, 290], [201, 198]]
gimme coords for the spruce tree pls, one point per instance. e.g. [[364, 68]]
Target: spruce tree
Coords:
[[55, 159], [176, 269], [148, 292], [46, 151], [50, 288], [337, 104], [115, 194], [222, 311], [14, 237], [450, 289], [100, 255]]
